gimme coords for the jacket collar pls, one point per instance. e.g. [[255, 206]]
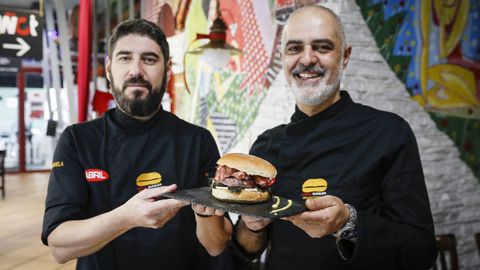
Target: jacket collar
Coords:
[[329, 112]]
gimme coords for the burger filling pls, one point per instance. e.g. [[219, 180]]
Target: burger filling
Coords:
[[236, 180]]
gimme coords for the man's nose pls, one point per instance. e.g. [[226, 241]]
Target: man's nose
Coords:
[[136, 69], [308, 56]]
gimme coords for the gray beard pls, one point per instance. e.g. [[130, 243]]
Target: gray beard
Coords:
[[316, 94]]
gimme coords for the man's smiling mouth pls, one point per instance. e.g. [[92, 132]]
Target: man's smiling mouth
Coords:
[[308, 72], [307, 75]]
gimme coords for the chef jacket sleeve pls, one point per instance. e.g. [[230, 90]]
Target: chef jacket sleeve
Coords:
[[67, 195], [400, 233]]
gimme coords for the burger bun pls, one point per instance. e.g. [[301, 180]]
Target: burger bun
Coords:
[[251, 195], [250, 164]]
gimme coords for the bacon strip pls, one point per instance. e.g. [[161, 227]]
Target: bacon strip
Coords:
[[234, 178]]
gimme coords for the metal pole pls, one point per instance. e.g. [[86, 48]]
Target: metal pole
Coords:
[[94, 44], [46, 75], [54, 60], [142, 8], [108, 18], [131, 9], [119, 11], [21, 120], [66, 59]]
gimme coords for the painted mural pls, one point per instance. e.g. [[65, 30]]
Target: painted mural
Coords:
[[433, 46], [226, 100]]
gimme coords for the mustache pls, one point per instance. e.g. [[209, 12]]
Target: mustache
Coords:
[[137, 80], [312, 68]]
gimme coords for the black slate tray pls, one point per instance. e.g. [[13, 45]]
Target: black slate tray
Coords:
[[266, 209]]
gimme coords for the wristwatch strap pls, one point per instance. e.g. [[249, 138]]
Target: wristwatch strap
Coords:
[[349, 230]]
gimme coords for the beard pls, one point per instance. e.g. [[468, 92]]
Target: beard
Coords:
[[138, 106], [316, 93]]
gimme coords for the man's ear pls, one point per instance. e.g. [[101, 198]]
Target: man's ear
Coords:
[[346, 56], [108, 68], [168, 66]]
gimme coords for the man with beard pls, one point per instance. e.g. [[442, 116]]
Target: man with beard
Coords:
[[104, 205], [357, 168]]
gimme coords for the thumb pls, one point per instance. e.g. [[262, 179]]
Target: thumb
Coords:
[[318, 203], [170, 204], [158, 191], [291, 218]]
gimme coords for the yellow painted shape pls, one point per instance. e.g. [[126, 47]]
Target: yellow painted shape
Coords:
[[277, 202], [451, 13], [419, 99], [289, 203], [454, 86]]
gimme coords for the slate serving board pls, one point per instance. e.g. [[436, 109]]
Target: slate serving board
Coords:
[[266, 209]]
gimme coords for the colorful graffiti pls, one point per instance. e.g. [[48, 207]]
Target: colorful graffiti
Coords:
[[227, 100], [433, 46]]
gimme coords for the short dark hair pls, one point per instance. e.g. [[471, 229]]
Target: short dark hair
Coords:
[[139, 27]]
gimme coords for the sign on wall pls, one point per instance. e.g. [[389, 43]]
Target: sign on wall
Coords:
[[9, 64], [20, 34]]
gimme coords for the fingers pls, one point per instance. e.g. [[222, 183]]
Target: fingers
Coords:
[[290, 218], [203, 210], [305, 218], [207, 211], [311, 223], [168, 204], [197, 208], [164, 210], [302, 218], [219, 212], [318, 223], [145, 209], [322, 202], [152, 193]]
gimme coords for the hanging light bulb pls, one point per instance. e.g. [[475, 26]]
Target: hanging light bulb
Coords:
[[216, 58]]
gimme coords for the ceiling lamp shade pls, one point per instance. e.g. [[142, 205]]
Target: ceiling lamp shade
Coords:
[[217, 51]]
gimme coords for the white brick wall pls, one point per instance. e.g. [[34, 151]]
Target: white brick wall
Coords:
[[453, 189]]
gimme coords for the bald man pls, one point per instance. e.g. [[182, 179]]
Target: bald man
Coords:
[[357, 168]]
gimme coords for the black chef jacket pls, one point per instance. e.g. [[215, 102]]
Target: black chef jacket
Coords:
[[95, 168], [369, 159]]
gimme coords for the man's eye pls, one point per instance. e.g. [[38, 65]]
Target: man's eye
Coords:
[[150, 61], [323, 48], [293, 49], [123, 59]]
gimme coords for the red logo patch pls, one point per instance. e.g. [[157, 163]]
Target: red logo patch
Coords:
[[96, 175]]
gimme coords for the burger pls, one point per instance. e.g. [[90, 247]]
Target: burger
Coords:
[[243, 178]]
